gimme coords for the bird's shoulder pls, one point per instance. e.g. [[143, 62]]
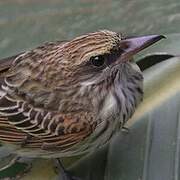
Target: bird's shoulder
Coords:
[[31, 75]]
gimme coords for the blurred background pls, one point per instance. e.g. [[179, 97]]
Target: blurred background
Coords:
[[24, 24]]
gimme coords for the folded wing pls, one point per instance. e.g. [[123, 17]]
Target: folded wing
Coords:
[[26, 123]]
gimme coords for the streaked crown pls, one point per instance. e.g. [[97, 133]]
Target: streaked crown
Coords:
[[83, 47]]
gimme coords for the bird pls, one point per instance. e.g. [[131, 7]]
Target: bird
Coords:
[[69, 98]]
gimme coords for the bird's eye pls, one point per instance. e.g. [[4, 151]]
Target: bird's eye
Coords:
[[98, 60]]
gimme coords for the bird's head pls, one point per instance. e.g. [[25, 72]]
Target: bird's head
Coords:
[[91, 58], [101, 64]]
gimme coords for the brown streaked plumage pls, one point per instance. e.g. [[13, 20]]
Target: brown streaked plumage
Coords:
[[69, 98]]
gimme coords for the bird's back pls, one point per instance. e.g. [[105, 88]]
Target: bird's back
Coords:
[[28, 126]]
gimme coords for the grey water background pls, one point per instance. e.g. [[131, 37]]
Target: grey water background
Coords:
[[25, 24]]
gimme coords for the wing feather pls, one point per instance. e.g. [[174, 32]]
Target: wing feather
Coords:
[[20, 119]]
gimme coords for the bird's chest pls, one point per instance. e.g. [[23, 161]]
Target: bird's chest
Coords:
[[120, 105]]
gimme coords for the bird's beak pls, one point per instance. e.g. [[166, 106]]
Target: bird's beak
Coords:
[[132, 46]]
